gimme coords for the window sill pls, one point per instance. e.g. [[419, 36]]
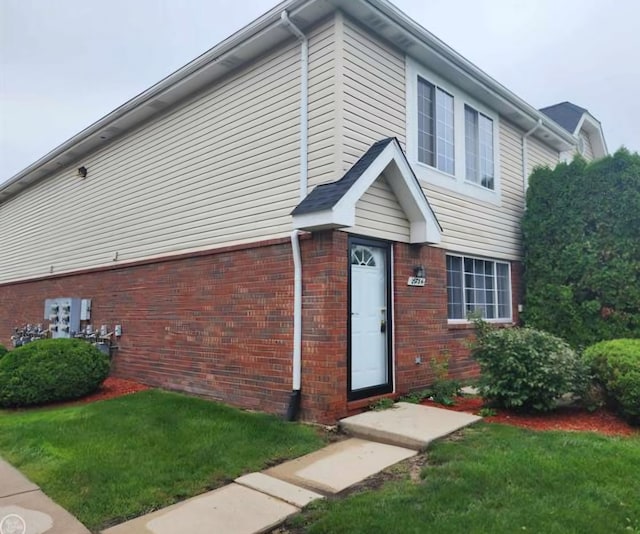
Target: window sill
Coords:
[[431, 176], [461, 324]]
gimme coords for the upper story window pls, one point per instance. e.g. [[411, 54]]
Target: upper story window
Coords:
[[435, 127], [452, 139], [478, 145]]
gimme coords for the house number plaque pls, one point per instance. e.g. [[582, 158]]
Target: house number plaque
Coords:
[[416, 281]]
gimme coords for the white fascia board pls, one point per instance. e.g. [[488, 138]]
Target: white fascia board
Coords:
[[594, 129], [258, 35], [409, 36], [367, 178], [424, 226], [326, 219]]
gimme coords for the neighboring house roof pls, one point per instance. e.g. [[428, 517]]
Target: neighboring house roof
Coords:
[[379, 16], [333, 205], [566, 114], [574, 119]]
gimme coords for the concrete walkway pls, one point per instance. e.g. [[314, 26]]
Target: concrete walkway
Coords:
[[258, 502], [25, 509]]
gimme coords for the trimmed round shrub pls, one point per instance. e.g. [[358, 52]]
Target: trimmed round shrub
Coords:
[[51, 370], [615, 365], [526, 369]]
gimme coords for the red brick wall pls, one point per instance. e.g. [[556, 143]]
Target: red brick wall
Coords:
[[220, 324], [217, 325]]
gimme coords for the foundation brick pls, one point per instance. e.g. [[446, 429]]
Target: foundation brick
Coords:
[[220, 325]]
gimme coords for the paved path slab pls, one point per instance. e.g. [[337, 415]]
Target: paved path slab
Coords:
[[279, 489], [25, 508], [407, 425], [13, 481], [230, 509], [340, 465]]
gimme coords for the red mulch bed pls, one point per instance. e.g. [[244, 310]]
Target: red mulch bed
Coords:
[[573, 418], [113, 387], [110, 388]]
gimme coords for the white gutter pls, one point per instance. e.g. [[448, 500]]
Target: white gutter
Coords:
[[525, 177], [421, 35], [296, 364], [304, 102]]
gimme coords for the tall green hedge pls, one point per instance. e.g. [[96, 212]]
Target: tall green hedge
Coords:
[[581, 234]]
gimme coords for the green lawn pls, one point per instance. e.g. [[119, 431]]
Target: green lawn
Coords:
[[500, 479], [116, 459]]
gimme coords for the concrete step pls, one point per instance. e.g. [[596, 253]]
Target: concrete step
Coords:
[[406, 425], [339, 465]]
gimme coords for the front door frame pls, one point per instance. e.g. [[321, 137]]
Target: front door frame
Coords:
[[388, 386]]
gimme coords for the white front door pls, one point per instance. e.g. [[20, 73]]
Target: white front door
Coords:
[[369, 347]]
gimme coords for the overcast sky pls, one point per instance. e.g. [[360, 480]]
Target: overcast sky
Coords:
[[66, 63]]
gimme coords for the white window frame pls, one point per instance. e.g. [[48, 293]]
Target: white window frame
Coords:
[[431, 175], [465, 320]]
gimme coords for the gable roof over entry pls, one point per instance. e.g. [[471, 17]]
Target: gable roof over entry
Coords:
[[333, 205]]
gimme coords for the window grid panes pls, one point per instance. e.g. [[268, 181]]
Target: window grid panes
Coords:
[[475, 285], [444, 131], [435, 127], [426, 140], [479, 162]]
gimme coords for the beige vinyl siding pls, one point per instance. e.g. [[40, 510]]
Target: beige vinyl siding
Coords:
[[588, 148], [374, 92], [378, 214], [374, 107], [480, 228], [323, 94], [484, 229], [220, 169], [540, 155]]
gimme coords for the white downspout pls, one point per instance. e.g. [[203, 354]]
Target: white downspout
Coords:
[[297, 310], [304, 101], [525, 178], [294, 402]]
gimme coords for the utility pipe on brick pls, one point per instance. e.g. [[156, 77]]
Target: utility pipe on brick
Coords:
[[294, 401]]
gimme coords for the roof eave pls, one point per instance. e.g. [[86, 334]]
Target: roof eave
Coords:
[[225, 57], [415, 36], [171, 90]]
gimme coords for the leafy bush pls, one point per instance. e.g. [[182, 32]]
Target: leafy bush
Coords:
[[581, 250], [3, 351], [51, 370], [616, 366], [526, 369]]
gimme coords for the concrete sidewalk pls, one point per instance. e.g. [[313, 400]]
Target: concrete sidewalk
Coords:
[[25, 509], [257, 502]]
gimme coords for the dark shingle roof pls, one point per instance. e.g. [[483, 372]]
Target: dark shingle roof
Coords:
[[326, 196], [566, 114]]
